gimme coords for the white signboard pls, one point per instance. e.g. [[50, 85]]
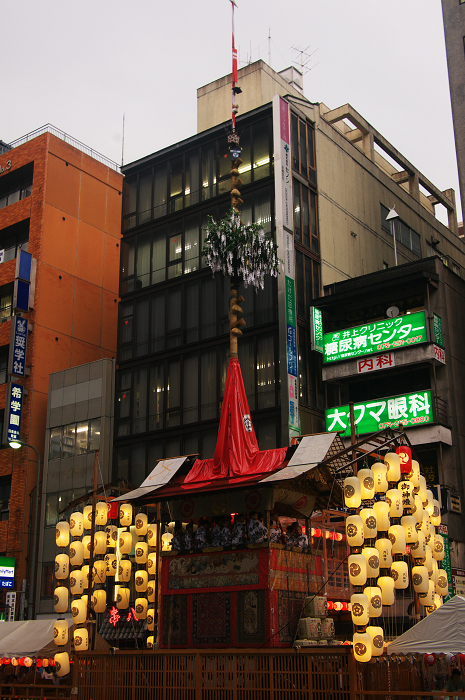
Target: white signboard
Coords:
[[376, 362], [439, 354]]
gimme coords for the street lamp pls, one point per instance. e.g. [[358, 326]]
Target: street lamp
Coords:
[[16, 445], [390, 217]]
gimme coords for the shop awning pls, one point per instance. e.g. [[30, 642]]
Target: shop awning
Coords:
[[35, 638]]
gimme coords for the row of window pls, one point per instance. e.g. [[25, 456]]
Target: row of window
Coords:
[[56, 502], [16, 185], [305, 217], [196, 176], [74, 439], [13, 238], [303, 148], [404, 234]]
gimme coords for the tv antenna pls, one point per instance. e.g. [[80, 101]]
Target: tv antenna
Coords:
[[305, 58]]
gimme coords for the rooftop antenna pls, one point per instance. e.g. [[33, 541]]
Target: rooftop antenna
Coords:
[[305, 59], [122, 146], [269, 46]]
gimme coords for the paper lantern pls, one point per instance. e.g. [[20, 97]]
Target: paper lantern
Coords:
[[462, 659], [352, 492], [451, 659], [420, 579], [442, 586], [86, 545], [381, 509], [100, 543], [367, 484], [151, 619], [141, 606], [377, 640], [152, 535], [393, 466], [428, 505], [423, 489], [394, 499], [141, 552], [399, 572], [354, 530], [384, 548], [150, 642], [61, 566], [152, 563], [111, 562], [61, 664], [60, 632], [113, 509], [370, 529], [101, 513], [124, 570], [427, 598], [6, 660], [425, 526], [60, 599], [76, 553], [396, 534], [438, 547], [434, 573], [99, 572], [388, 593], [125, 514], [379, 470], [437, 601], [372, 559], [141, 524], [418, 548], [405, 456], [417, 509], [167, 537], [125, 542], [112, 536], [408, 499], [357, 566], [151, 591], [373, 593], [429, 659], [428, 558], [85, 575], [362, 646], [122, 598], [76, 524], [14, 661], [141, 579], [79, 611], [28, 662], [436, 516], [99, 600], [409, 524], [62, 534], [87, 517], [81, 639], [414, 475], [76, 582]]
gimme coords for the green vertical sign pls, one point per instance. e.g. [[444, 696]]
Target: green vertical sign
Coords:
[[437, 329], [316, 320], [446, 563], [290, 301]]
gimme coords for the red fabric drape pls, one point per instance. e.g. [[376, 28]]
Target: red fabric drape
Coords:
[[236, 452]]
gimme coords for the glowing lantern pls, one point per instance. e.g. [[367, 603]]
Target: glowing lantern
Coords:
[[141, 579], [396, 534], [418, 508], [418, 548], [76, 553], [125, 542], [384, 548], [415, 474], [408, 501], [437, 601], [85, 575], [372, 559], [420, 579], [62, 663], [60, 599], [354, 530], [141, 552], [370, 529], [101, 513], [428, 505], [151, 619], [380, 476], [86, 545], [99, 572], [100, 542], [141, 524], [388, 594], [434, 573], [337, 606], [436, 516], [167, 537], [6, 660], [399, 572], [427, 598], [122, 598], [79, 610], [451, 659], [394, 499], [428, 558], [352, 492], [425, 526], [87, 517], [76, 582], [393, 466], [373, 593], [62, 534], [362, 645], [462, 659], [423, 489], [140, 607], [152, 563], [430, 659], [150, 642], [367, 483], [442, 585], [61, 566], [14, 661], [99, 600], [124, 570], [111, 562], [381, 509], [60, 632], [405, 456], [151, 591], [76, 524], [438, 547], [112, 536], [409, 524], [357, 569], [113, 509], [28, 662], [377, 640], [152, 535], [81, 639], [125, 514]]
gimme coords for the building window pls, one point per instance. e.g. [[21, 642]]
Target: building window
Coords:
[[48, 578], [12, 238], [56, 503], [6, 297], [404, 234], [310, 370], [5, 493], [74, 439], [303, 148], [305, 217], [307, 282], [16, 185]]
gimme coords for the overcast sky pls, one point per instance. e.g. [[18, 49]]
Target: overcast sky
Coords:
[[81, 65]]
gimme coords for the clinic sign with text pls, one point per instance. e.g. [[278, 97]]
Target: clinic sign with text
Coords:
[[411, 410], [390, 334]]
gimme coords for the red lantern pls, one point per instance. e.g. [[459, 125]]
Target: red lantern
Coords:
[[345, 606], [462, 659], [39, 663], [113, 510], [21, 661], [330, 605], [430, 659], [6, 660], [51, 662], [405, 455]]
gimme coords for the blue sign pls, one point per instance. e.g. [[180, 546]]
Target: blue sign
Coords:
[[14, 408], [18, 347], [291, 351], [7, 582]]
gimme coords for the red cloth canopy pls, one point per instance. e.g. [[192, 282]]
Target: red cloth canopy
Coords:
[[236, 452]]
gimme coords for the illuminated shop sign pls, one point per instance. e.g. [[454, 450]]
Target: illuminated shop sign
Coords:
[[7, 572], [316, 321]]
